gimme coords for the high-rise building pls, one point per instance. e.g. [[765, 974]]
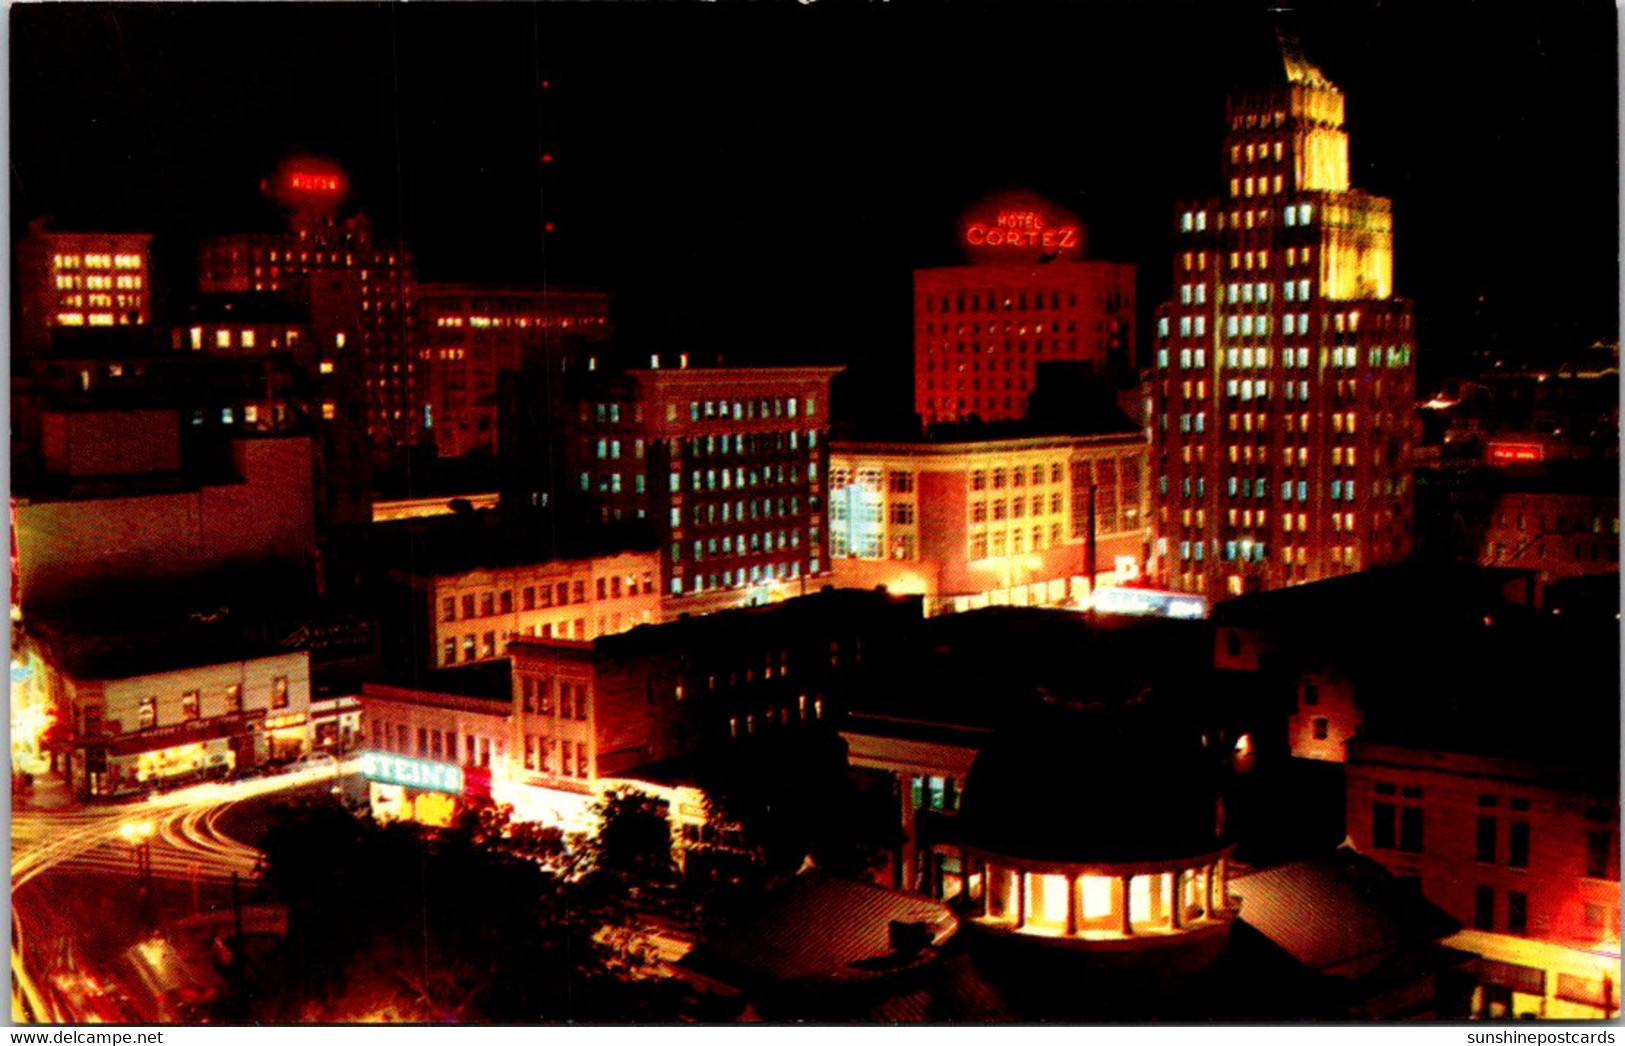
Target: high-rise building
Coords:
[[359, 289], [81, 279], [722, 466], [469, 335], [1280, 396], [1025, 298]]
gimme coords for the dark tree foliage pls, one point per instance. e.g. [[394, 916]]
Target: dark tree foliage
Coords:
[[467, 924], [794, 798]]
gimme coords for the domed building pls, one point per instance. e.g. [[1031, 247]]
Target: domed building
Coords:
[[1099, 829]]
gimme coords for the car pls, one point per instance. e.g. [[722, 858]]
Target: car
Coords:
[[317, 761]]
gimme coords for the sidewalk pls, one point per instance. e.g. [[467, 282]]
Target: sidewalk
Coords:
[[49, 792]]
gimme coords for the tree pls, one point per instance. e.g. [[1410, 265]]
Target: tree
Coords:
[[400, 922]]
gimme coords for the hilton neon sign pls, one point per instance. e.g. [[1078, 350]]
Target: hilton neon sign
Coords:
[[412, 773], [1022, 230], [314, 182]]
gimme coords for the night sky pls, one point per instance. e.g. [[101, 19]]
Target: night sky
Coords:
[[761, 179]]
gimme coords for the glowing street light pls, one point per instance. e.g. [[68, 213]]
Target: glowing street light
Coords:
[[138, 833]]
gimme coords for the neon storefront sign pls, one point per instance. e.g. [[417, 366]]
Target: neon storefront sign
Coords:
[[412, 773]]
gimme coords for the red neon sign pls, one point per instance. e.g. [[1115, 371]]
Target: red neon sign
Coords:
[[314, 182], [1022, 229], [1019, 224], [1515, 453], [306, 183]]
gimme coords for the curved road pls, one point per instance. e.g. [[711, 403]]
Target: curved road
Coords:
[[54, 979]]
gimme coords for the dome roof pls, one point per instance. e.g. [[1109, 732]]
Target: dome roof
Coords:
[[1085, 785]]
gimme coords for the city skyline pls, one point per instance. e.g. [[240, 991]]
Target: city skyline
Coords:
[[495, 444], [827, 180]]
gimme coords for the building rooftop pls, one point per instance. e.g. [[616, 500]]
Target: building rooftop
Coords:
[[817, 930], [487, 681], [1341, 914], [440, 546]]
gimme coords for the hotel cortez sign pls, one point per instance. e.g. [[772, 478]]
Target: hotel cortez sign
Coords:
[[412, 773], [1022, 230]]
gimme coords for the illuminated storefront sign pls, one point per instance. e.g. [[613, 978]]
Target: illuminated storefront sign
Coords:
[[1515, 453], [413, 773], [1150, 602]]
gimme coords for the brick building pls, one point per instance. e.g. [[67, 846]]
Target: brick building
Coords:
[[973, 523], [1025, 297]]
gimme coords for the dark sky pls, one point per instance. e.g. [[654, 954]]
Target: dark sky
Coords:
[[762, 178]]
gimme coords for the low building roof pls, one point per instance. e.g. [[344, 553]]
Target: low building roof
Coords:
[[1340, 914], [817, 930]]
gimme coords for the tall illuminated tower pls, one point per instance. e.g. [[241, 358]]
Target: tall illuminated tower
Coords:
[[1281, 391]]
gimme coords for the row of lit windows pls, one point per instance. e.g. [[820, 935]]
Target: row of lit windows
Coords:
[[1263, 184], [701, 515], [96, 261], [1014, 542], [1263, 151], [783, 716], [1006, 329], [99, 283], [766, 407], [754, 543], [539, 756], [776, 443], [1015, 476], [537, 698], [610, 483], [1197, 221], [992, 301], [1015, 509], [1246, 550], [94, 319], [736, 478], [757, 573]]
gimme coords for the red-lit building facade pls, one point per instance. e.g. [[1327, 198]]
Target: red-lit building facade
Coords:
[[81, 279], [713, 683], [465, 616], [724, 465], [1282, 387], [1025, 298], [359, 289], [1524, 855], [1004, 521], [1555, 530], [467, 335]]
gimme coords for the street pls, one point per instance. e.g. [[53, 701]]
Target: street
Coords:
[[99, 894]]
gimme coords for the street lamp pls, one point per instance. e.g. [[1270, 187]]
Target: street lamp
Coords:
[[138, 833]]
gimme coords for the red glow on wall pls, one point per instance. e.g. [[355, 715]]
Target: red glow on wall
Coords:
[[1515, 453]]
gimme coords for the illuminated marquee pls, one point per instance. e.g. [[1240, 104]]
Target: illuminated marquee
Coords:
[[1515, 453], [412, 773], [1150, 602]]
